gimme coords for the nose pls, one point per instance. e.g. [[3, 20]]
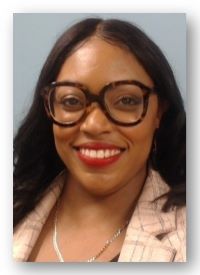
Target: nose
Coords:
[[96, 122]]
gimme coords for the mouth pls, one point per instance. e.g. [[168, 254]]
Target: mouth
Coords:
[[98, 154]]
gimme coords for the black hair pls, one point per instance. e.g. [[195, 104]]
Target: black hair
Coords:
[[36, 161]]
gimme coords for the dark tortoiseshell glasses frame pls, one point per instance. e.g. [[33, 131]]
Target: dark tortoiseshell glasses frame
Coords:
[[90, 98]]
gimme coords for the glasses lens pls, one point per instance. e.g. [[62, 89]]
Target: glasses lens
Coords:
[[67, 104], [125, 103]]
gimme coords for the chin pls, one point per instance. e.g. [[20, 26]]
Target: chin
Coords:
[[99, 185], [100, 192]]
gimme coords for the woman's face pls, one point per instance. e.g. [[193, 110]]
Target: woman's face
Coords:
[[94, 64]]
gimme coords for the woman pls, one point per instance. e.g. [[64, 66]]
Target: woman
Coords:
[[100, 158]]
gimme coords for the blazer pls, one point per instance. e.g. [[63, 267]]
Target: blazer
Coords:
[[152, 235]]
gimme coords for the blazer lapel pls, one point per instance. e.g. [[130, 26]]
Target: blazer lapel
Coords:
[[148, 225], [144, 247], [27, 232]]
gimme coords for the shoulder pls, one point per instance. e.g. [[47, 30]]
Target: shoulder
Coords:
[[177, 237], [28, 230], [168, 227]]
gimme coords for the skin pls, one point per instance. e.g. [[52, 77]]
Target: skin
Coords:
[[95, 64], [92, 196]]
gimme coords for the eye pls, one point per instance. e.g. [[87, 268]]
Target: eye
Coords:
[[71, 103], [128, 101]]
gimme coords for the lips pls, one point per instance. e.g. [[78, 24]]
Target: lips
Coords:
[[98, 154]]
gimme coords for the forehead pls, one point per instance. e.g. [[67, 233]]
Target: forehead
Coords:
[[97, 62]]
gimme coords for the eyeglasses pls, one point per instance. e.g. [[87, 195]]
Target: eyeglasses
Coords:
[[124, 102]]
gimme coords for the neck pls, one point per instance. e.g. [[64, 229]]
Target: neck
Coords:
[[83, 209]]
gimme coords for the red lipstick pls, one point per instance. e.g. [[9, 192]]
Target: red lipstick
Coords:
[[98, 154]]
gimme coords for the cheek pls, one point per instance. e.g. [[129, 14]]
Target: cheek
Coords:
[[63, 138], [140, 137], [140, 144]]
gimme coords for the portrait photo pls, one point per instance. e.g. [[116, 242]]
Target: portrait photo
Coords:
[[99, 137]]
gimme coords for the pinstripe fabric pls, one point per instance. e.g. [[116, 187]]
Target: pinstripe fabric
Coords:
[[152, 236]]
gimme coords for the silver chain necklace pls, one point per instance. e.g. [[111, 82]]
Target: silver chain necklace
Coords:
[[92, 259]]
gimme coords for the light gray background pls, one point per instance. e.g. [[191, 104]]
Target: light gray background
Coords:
[[35, 34]]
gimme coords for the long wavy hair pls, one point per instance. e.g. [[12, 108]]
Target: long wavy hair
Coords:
[[36, 161]]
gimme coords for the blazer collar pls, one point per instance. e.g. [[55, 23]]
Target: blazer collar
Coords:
[[142, 241], [27, 232], [148, 225]]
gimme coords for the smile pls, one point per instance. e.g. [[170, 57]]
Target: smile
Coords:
[[98, 155]]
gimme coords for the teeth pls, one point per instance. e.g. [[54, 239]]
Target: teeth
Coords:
[[92, 153], [99, 154]]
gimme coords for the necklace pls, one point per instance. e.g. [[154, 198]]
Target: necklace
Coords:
[[92, 259]]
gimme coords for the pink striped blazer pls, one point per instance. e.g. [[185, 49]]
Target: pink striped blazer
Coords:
[[152, 235]]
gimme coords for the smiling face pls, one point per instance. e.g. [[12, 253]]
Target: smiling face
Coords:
[[101, 156]]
